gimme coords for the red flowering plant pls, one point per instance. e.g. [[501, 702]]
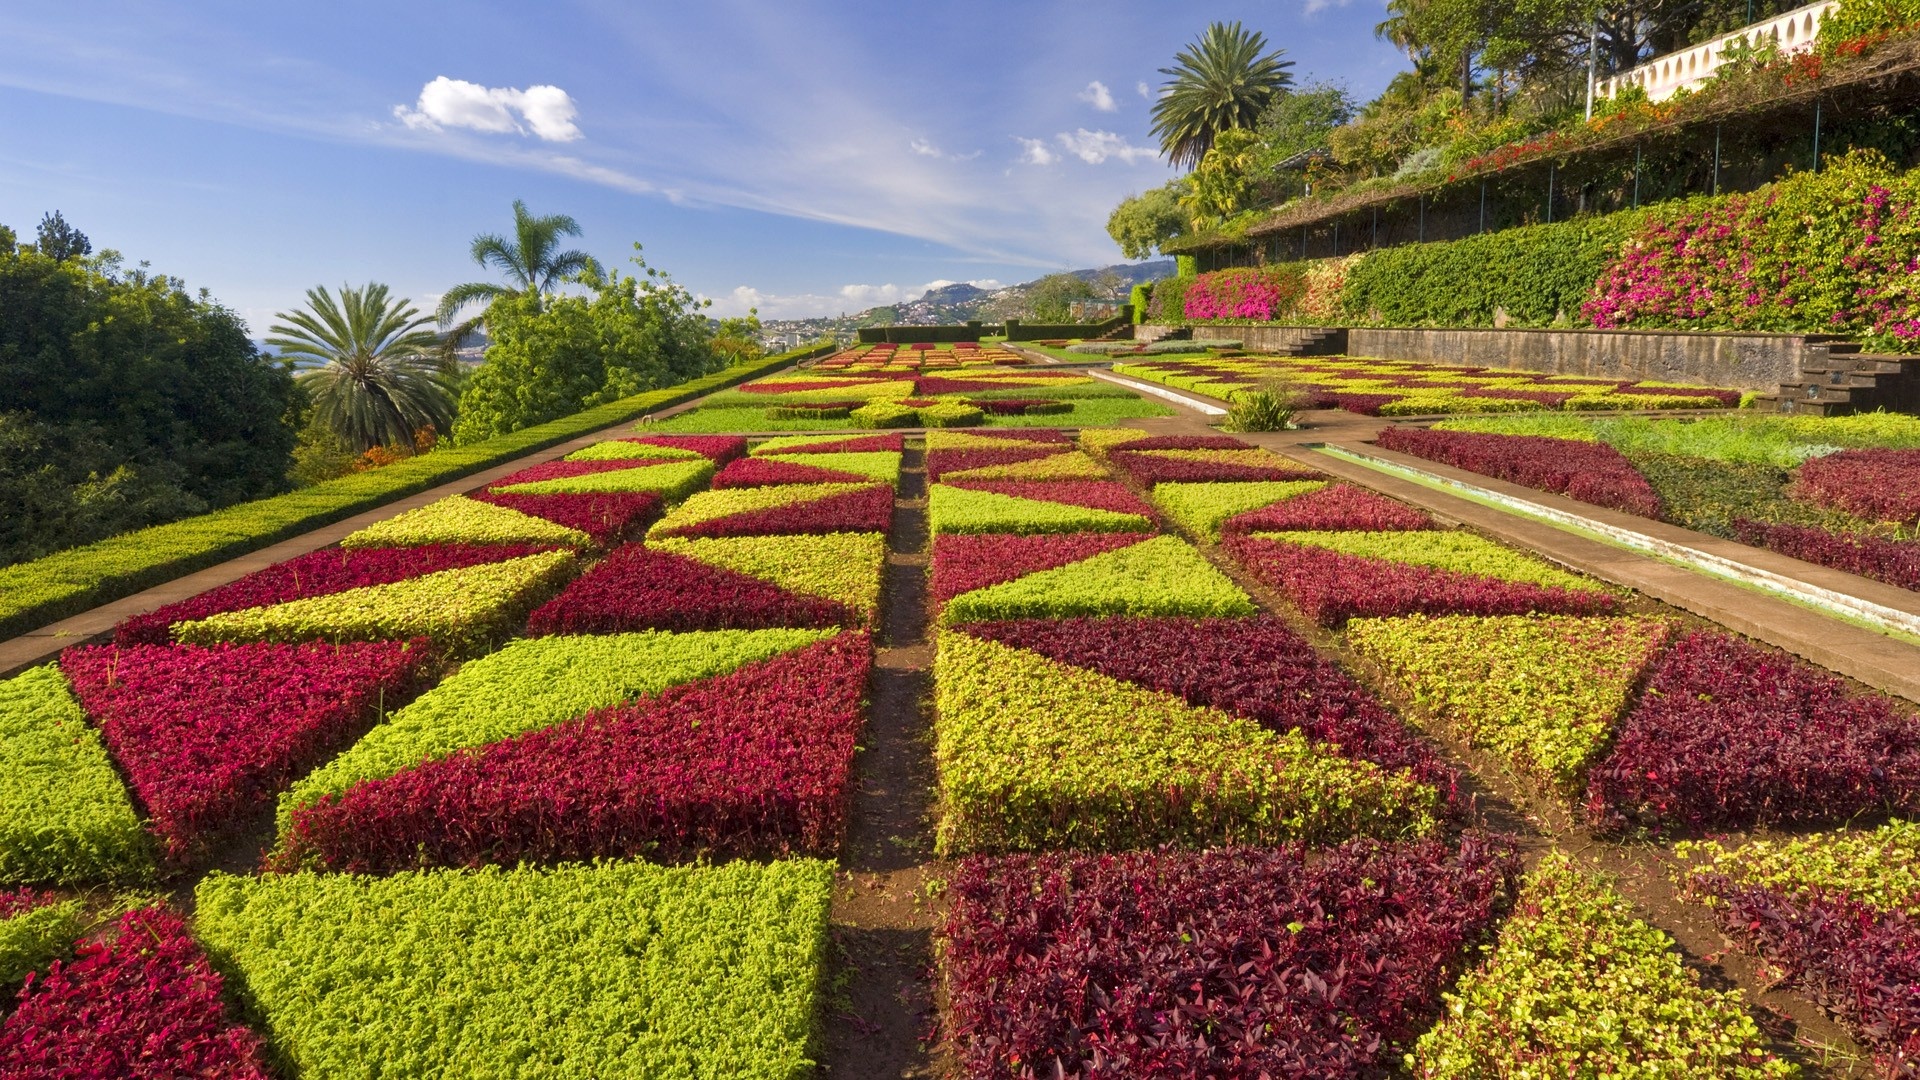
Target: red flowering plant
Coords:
[[1880, 485], [606, 517], [1896, 562], [638, 588], [1589, 471]]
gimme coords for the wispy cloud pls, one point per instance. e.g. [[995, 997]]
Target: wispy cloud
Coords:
[[1145, 91], [847, 299], [1315, 7], [1097, 95], [928, 149], [1098, 147], [1035, 152], [496, 110]]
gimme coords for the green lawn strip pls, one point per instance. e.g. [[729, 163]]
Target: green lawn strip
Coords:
[[35, 936], [38, 592], [673, 480], [881, 465], [623, 450], [1879, 867], [461, 610], [1464, 552], [65, 816], [535, 683], [612, 969], [960, 510], [1543, 691], [1033, 754], [1200, 509], [709, 505], [457, 519], [1161, 576], [843, 567], [1576, 986], [1762, 439]]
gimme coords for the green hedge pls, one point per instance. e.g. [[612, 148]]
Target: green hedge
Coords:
[[35, 593], [1538, 274]]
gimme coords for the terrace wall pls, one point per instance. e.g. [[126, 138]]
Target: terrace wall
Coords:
[[1744, 361]]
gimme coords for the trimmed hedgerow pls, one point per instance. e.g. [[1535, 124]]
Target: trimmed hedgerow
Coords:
[[35, 928], [998, 439], [1182, 965], [966, 510], [1896, 562], [630, 450], [950, 414], [645, 588], [613, 969], [844, 568], [829, 444], [962, 563], [1093, 494], [64, 814], [785, 508], [317, 573], [757, 763], [1072, 465], [826, 410], [564, 470], [1589, 471], [884, 414], [1328, 508], [1880, 485], [1200, 509], [1036, 754], [671, 480], [457, 519], [532, 684], [719, 449], [1464, 552], [1253, 667], [880, 465], [145, 1006], [1544, 692], [1577, 986], [753, 472], [942, 460], [1202, 466], [460, 610], [208, 735], [1161, 576], [606, 518], [1730, 735]]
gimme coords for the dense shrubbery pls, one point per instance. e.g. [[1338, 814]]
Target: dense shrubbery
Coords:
[[1589, 471], [1158, 576], [64, 814]]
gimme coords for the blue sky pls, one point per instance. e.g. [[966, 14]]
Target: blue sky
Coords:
[[806, 157]]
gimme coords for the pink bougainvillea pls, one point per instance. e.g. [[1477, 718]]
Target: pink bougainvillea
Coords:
[[638, 588], [1244, 294], [757, 763]]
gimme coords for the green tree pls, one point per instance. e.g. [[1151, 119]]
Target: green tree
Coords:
[[1050, 299], [58, 240], [1221, 185], [737, 340], [1219, 82], [378, 381], [1141, 223], [552, 356], [529, 260]]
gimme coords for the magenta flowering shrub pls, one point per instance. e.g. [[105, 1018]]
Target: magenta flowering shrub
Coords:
[[607, 518], [1149, 469], [719, 449], [1255, 667], [317, 573], [869, 509], [1896, 562], [638, 588], [941, 462], [1589, 471], [757, 763], [766, 471], [1880, 485], [1244, 294], [963, 562], [1093, 494], [1334, 507], [145, 1006], [1331, 587], [1732, 736], [1238, 962], [207, 735]]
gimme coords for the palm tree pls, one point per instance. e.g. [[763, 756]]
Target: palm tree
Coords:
[[528, 261], [1220, 81], [379, 381]]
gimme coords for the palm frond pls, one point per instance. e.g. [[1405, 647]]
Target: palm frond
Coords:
[[1221, 81]]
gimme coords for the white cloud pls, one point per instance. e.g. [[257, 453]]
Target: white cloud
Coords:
[[847, 299], [1145, 91], [1096, 147], [497, 110], [927, 149], [1035, 152], [1315, 7], [1097, 95]]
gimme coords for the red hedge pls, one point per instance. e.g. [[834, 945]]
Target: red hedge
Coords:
[[1589, 471], [1093, 494], [1733, 736], [1331, 587], [869, 509], [717, 448], [1241, 962], [1256, 668], [209, 734], [1186, 442], [1896, 562], [144, 1007], [561, 470], [1332, 508], [1148, 470], [769, 471], [894, 442], [963, 562], [758, 763], [941, 462], [317, 573], [607, 517], [638, 588], [1881, 485]]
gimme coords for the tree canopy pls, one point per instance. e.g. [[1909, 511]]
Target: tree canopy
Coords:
[[1222, 81]]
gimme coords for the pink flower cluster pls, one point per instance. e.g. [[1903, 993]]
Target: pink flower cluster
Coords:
[[638, 588], [758, 763], [1589, 471], [1244, 294]]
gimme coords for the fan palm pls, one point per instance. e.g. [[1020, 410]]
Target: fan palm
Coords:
[[1219, 82], [379, 381], [528, 260]]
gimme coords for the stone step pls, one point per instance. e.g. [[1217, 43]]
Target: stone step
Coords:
[[1803, 407]]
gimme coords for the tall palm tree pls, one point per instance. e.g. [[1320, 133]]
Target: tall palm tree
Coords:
[[528, 261], [1220, 81], [379, 381]]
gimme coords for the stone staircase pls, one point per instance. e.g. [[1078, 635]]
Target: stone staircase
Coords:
[[1316, 342], [1838, 379]]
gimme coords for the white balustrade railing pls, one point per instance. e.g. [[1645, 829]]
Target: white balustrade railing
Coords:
[[1663, 76]]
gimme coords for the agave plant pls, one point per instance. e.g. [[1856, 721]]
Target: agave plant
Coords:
[[1220, 82], [381, 378]]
